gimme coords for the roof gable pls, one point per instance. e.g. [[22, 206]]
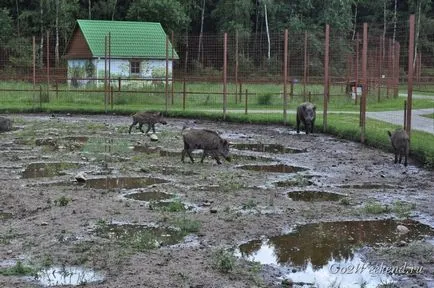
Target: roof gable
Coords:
[[129, 39]]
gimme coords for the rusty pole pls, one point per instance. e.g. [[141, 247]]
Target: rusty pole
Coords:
[[236, 67], [285, 78], [410, 74], [105, 73], [305, 66], [34, 68], [110, 94], [225, 60], [184, 94], [166, 88], [171, 74], [48, 61], [356, 67], [326, 75], [364, 85]]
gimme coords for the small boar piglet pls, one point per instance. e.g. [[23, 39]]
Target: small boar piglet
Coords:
[[400, 143], [5, 124], [306, 114], [207, 140], [149, 118]]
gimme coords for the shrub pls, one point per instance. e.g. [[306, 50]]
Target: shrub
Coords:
[[265, 99]]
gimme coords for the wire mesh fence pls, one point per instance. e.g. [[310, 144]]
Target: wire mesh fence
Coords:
[[257, 74]]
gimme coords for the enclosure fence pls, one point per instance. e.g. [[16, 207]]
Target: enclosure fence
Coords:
[[346, 77]]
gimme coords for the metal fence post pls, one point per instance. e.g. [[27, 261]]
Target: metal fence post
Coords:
[[285, 78], [225, 60], [326, 75], [364, 81], [410, 74]]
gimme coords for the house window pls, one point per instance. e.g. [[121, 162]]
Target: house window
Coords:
[[135, 67]]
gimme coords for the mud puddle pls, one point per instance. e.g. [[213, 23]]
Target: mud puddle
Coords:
[[327, 257], [313, 196], [140, 236], [268, 148], [122, 182], [276, 168], [36, 170], [149, 196], [65, 276], [146, 149]]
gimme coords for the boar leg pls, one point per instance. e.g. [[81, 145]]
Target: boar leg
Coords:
[[396, 157], [149, 128], [217, 158], [131, 126], [185, 151], [140, 127], [298, 125]]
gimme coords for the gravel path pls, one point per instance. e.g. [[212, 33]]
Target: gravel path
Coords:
[[418, 122]]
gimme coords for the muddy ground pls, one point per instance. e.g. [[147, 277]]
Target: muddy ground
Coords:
[[48, 218]]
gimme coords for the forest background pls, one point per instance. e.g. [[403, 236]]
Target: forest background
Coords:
[[21, 20]]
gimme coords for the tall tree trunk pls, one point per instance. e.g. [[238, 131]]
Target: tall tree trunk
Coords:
[[89, 7], [255, 45], [199, 50], [41, 45], [56, 50], [355, 22], [416, 40], [114, 9], [383, 40], [268, 32], [18, 18], [395, 19], [186, 53]]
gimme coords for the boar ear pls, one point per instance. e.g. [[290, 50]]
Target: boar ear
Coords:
[[314, 108], [388, 133]]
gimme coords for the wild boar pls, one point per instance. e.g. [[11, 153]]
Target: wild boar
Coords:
[[147, 117], [306, 113], [207, 140], [400, 144], [5, 124]]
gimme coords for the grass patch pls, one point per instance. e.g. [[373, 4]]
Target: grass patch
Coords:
[[428, 115], [224, 261], [375, 207], [171, 206], [19, 269]]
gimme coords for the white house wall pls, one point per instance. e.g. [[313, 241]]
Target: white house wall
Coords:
[[78, 71]]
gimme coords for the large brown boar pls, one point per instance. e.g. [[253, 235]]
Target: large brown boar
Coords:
[[400, 144], [306, 114], [207, 140], [147, 117]]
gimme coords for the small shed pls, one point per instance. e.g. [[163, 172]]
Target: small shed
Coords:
[[136, 52]]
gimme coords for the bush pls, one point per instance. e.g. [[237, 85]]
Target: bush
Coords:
[[265, 99]]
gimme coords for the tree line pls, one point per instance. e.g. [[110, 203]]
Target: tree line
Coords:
[[22, 19]]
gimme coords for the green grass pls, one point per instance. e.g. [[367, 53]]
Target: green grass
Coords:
[[204, 100], [428, 115], [19, 269]]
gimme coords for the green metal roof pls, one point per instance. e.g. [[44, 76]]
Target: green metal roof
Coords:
[[128, 39]]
